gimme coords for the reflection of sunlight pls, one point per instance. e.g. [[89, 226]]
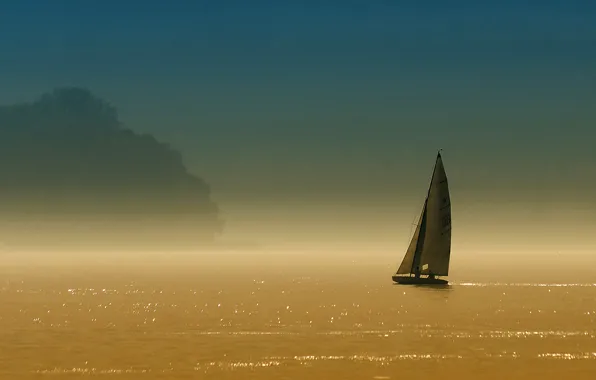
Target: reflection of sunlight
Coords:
[[308, 360], [484, 284]]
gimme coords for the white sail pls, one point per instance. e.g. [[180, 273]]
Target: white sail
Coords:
[[436, 249], [408, 262], [430, 248]]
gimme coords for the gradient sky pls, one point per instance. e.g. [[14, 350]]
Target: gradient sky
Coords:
[[281, 100]]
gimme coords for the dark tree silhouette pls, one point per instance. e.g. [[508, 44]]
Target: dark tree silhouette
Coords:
[[67, 155]]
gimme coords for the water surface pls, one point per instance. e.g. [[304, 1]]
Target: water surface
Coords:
[[287, 323]]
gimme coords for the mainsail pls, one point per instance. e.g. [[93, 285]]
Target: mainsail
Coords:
[[430, 248]]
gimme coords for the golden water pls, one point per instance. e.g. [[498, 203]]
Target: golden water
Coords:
[[287, 323]]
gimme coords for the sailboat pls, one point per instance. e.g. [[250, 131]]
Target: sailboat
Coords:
[[427, 256]]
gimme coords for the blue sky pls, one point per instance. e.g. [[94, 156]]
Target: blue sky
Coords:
[[275, 98]]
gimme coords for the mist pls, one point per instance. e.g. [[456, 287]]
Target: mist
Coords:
[[331, 240], [315, 145]]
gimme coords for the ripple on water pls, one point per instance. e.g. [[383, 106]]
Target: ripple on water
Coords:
[[273, 325]]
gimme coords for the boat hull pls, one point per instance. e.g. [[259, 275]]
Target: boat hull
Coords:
[[407, 280]]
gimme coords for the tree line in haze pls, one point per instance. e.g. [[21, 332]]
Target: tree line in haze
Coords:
[[66, 156]]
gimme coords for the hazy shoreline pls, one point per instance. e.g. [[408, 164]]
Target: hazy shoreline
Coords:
[[323, 263]]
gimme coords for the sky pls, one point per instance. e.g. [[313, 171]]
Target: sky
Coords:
[[341, 103]]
